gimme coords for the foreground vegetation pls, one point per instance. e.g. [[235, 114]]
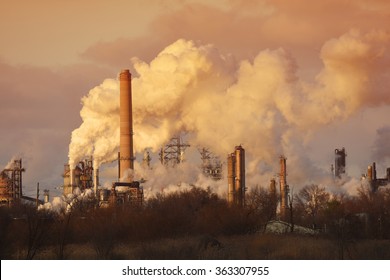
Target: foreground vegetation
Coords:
[[197, 224]]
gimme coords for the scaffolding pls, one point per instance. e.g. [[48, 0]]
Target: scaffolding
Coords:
[[173, 152], [81, 176], [11, 183], [211, 164]]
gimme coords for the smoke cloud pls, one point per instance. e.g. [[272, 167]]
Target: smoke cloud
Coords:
[[381, 149], [99, 133], [219, 102]]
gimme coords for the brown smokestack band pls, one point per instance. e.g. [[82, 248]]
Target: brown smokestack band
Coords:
[[126, 127]]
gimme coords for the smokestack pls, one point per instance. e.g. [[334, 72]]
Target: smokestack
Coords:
[[126, 128], [283, 188], [236, 177], [96, 180], [369, 173], [231, 177], [240, 175]]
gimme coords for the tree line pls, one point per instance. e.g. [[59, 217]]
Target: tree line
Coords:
[[25, 231]]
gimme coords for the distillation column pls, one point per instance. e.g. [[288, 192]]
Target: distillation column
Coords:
[[231, 177], [240, 176], [283, 189]]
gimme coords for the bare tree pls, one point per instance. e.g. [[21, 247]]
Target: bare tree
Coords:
[[261, 203], [313, 199], [38, 223]]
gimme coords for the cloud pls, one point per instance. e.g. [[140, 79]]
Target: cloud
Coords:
[[245, 27], [381, 148]]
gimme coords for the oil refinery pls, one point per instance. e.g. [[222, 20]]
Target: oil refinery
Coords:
[[128, 190]]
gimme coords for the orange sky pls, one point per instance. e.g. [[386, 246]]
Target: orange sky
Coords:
[[53, 52]]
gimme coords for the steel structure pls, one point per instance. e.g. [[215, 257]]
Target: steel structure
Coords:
[[82, 177], [11, 183], [211, 165], [339, 162], [146, 159], [173, 152], [375, 182]]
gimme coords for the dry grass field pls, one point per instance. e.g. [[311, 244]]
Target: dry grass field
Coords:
[[242, 247]]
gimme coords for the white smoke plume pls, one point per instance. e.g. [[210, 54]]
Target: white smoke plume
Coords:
[[261, 103], [381, 149], [162, 179], [99, 133], [10, 164], [66, 203]]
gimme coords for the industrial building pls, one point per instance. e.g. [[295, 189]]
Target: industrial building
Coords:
[[211, 165], [236, 177], [11, 188], [374, 182], [11, 183], [83, 176], [339, 162]]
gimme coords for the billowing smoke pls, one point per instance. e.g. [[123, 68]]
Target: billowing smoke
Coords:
[[260, 103], [66, 203], [98, 135], [355, 74], [381, 149], [10, 164], [182, 177]]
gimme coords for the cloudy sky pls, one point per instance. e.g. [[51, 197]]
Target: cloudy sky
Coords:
[[333, 58]]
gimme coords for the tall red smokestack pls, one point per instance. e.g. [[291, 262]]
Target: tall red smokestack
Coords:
[[126, 128]]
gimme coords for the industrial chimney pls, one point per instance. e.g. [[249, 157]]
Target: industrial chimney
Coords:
[[283, 188], [236, 177], [240, 175], [231, 176], [126, 156]]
